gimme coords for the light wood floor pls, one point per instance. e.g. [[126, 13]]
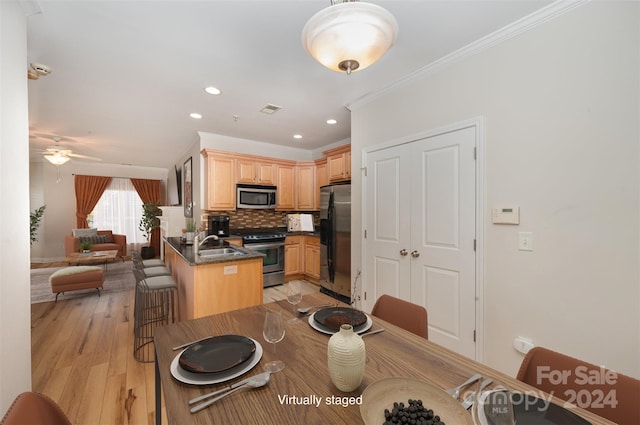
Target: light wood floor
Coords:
[[82, 357]]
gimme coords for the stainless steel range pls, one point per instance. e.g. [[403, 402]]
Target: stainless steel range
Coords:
[[270, 243]]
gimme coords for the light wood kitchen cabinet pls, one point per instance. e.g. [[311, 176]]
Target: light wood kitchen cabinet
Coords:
[[312, 256], [220, 183], [322, 179], [292, 255], [214, 288], [286, 198], [250, 171], [339, 163], [305, 186]]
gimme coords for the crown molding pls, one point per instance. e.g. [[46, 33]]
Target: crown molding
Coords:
[[514, 29]]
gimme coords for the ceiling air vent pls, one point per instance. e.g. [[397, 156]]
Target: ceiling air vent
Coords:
[[270, 109]]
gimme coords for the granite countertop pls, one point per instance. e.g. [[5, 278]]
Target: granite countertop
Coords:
[[187, 254]]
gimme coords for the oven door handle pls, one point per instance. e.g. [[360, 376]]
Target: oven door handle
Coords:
[[263, 245]]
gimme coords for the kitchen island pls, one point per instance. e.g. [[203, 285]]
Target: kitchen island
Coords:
[[212, 285]]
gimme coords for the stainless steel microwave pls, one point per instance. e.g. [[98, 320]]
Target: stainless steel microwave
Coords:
[[256, 197]]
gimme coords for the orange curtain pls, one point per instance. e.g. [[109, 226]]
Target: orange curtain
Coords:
[[89, 189], [150, 191]]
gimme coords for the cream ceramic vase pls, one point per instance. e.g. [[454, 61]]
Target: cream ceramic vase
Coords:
[[346, 356]]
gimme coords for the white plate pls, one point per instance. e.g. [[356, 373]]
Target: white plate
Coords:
[[214, 378], [325, 330]]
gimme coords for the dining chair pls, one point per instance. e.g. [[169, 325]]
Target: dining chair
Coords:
[[404, 314], [34, 408], [602, 391]]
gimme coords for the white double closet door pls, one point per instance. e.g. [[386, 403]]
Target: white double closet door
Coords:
[[420, 214]]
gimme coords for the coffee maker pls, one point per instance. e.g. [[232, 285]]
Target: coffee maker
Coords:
[[218, 225]]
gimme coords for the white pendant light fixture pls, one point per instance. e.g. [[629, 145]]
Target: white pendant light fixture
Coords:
[[349, 35], [56, 158]]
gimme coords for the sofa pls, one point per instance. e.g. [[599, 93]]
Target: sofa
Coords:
[[101, 240]]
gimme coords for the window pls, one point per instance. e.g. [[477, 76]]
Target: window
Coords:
[[120, 209]]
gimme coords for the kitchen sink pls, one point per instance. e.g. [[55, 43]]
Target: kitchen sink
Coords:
[[218, 252]]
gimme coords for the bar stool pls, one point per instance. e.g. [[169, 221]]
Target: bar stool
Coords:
[[150, 270], [155, 301], [152, 262]]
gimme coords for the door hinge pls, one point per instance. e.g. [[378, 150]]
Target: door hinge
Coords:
[[365, 171], [365, 233], [475, 153], [365, 295], [474, 244], [474, 335]]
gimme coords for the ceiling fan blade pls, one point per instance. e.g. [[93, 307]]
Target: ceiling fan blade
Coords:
[[76, 155]]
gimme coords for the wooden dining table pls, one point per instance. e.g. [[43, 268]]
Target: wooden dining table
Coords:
[[392, 353]]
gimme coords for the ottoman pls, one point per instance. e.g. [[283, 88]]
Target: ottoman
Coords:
[[76, 278]]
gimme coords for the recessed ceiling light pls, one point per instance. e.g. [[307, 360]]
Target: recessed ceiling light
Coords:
[[297, 136], [331, 121], [195, 115], [213, 90]]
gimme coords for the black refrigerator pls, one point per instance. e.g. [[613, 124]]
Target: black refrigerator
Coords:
[[335, 241]]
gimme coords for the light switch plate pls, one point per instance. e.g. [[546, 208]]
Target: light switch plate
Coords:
[[525, 241]]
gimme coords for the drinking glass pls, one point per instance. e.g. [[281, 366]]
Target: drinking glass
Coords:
[[273, 332], [294, 296]]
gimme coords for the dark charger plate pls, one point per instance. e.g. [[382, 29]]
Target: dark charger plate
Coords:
[[217, 354], [334, 317]]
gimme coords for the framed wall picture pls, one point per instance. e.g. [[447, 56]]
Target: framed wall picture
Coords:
[[188, 192]]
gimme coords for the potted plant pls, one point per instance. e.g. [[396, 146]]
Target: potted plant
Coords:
[[148, 223], [85, 247], [36, 217], [190, 230]]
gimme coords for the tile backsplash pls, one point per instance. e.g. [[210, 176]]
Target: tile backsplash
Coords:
[[243, 218]]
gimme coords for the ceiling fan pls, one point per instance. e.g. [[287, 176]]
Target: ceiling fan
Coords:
[[59, 154]]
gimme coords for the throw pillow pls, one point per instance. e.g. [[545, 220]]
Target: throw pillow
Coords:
[[84, 232], [94, 239]]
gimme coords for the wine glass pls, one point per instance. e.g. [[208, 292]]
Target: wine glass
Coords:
[[273, 332], [294, 296]]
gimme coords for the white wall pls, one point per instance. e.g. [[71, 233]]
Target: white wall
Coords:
[[561, 104], [60, 199], [15, 321]]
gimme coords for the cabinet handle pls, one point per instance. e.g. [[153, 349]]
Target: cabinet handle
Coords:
[[403, 252], [415, 254]]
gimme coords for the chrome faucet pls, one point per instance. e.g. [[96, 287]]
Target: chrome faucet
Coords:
[[197, 243], [214, 237]]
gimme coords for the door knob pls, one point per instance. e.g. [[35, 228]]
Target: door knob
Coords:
[[403, 252], [415, 254]]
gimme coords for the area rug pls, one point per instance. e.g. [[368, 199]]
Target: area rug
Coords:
[[118, 277]]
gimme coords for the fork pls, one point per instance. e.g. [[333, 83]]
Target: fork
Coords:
[[455, 391], [468, 402]]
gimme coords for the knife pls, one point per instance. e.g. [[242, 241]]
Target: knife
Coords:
[[227, 388]]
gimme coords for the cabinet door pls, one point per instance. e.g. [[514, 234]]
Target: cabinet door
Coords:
[[292, 253], [312, 257], [266, 173], [336, 168], [305, 183], [221, 188], [246, 171], [321, 180], [286, 189]]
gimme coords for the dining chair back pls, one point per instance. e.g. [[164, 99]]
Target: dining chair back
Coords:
[[34, 408], [404, 314], [602, 391]]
